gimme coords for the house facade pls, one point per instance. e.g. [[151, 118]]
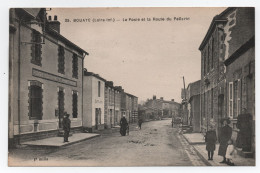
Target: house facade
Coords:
[[93, 102], [227, 73], [240, 72], [193, 99], [45, 79]]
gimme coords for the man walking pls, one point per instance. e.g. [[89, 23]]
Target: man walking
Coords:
[[66, 127], [140, 121]]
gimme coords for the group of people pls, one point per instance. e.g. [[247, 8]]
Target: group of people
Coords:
[[226, 145]]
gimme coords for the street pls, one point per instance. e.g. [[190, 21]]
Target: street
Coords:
[[156, 144]]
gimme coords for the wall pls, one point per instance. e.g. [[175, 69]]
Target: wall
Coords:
[[50, 88], [87, 102], [98, 102]]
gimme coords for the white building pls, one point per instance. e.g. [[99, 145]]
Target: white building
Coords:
[[93, 101]]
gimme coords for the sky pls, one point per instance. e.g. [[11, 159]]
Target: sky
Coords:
[[145, 57]]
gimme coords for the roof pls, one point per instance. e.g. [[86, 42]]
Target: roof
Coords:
[[65, 40], [217, 19], [39, 12], [94, 75]]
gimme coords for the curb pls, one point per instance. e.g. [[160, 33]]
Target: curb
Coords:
[[198, 153], [66, 144]]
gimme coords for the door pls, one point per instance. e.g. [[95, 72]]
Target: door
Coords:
[[220, 110], [96, 118], [61, 107]]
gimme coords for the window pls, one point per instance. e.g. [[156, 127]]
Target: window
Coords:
[[99, 90], [237, 97], [75, 104], [61, 60], [35, 100], [230, 112], [75, 66], [36, 48], [212, 102]]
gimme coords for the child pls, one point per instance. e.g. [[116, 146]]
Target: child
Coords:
[[230, 153], [210, 139]]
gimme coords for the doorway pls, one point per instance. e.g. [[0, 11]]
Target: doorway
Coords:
[[61, 107], [220, 110]]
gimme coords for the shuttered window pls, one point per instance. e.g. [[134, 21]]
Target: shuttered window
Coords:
[[75, 104], [61, 60]]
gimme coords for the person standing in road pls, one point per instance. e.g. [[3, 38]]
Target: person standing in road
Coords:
[[140, 121], [225, 136], [123, 126], [66, 127], [211, 139]]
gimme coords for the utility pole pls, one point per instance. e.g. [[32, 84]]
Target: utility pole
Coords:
[[184, 88]]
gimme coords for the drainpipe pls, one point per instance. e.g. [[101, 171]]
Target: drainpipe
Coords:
[[19, 81], [82, 81]]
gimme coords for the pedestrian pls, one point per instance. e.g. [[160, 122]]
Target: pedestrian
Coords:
[[140, 121], [230, 153], [225, 136], [123, 126], [211, 139], [66, 127]]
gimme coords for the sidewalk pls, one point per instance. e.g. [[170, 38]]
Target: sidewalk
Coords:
[[58, 141], [196, 139]]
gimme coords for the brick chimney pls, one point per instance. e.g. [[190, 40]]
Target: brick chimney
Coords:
[[154, 97], [54, 24]]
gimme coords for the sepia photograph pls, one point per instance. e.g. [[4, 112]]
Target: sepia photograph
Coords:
[[131, 87]]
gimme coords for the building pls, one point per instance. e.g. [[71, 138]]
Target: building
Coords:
[[159, 108], [45, 76], [109, 105], [213, 77], [93, 101], [117, 104], [227, 73], [193, 98], [240, 69]]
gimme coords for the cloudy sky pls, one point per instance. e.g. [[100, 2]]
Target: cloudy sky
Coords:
[[146, 58]]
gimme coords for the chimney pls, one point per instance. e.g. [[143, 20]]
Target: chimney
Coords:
[[55, 24], [154, 97], [172, 100], [161, 98]]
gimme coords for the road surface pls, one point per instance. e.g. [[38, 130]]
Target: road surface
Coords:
[[157, 144]]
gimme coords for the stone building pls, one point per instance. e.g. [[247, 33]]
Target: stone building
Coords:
[[45, 76], [109, 104], [193, 98], [240, 68], [93, 101], [117, 111], [224, 65], [157, 108]]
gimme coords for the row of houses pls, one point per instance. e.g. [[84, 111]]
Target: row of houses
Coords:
[[104, 104], [227, 83], [159, 108], [47, 79]]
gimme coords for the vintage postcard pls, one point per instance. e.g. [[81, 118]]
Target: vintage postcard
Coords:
[[154, 86]]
